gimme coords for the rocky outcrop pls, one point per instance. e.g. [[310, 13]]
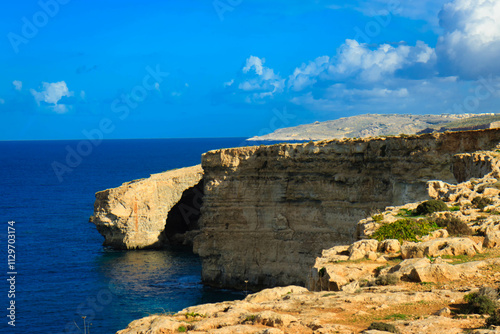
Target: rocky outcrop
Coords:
[[269, 211], [440, 247], [147, 213], [294, 310]]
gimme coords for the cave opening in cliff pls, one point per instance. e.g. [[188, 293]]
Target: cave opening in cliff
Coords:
[[184, 216]]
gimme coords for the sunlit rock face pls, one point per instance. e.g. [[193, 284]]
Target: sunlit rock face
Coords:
[[268, 211], [151, 212]]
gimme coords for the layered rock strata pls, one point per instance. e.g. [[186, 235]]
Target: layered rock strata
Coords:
[[146, 213], [269, 211]]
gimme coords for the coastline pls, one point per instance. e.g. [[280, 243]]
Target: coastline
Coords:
[[444, 150]]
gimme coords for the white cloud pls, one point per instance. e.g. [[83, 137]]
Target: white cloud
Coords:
[[306, 75], [52, 93], [357, 61], [18, 85], [259, 80], [157, 86], [60, 108], [2, 101], [229, 83], [255, 63], [470, 44], [370, 65], [83, 95]]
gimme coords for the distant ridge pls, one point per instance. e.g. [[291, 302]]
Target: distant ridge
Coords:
[[372, 125]]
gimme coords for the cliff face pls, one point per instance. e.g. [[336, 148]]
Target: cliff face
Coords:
[[269, 211], [147, 213]]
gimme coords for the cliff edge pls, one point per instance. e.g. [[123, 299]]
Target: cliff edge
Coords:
[[268, 211]]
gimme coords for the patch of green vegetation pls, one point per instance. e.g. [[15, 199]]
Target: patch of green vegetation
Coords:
[[329, 294], [457, 259], [378, 218], [250, 318], [482, 302], [193, 315], [182, 329], [405, 213], [430, 206], [397, 316], [381, 326], [454, 208], [494, 319], [405, 229], [454, 226], [427, 283], [481, 202]]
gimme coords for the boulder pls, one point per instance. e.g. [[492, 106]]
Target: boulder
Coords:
[[389, 246], [360, 249], [274, 293], [435, 273], [439, 247], [403, 269], [492, 239]]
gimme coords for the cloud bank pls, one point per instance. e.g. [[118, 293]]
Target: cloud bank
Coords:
[[399, 77]]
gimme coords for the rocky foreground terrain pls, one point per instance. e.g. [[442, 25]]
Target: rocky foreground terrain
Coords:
[[373, 125], [413, 270]]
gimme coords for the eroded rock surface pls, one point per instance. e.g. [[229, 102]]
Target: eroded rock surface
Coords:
[[294, 310], [269, 211], [135, 214]]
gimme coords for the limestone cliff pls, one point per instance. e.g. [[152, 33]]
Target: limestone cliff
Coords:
[[269, 211], [147, 213]]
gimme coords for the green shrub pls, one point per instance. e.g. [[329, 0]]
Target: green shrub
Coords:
[[182, 329], [405, 213], [481, 202], [454, 226], [429, 207], [454, 208], [389, 279], [494, 319], [250, 318], [404, 229], [482, 302], [382, 326], [193, 315], [378, 218]]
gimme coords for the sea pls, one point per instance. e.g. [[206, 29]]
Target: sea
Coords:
[[56, 277]]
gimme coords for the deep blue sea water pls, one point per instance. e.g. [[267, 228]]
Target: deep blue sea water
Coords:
[[63, 272]]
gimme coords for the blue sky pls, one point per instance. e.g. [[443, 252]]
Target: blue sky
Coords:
[[237, 68]]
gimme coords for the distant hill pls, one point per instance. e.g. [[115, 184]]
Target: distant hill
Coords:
[[372, 125]]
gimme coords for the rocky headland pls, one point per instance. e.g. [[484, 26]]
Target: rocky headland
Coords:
[[372, 125], [291, 215], [134, 215]]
